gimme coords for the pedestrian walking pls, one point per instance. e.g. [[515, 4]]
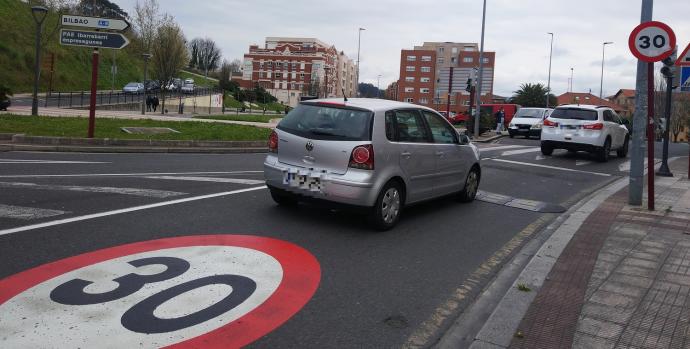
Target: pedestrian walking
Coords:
[[155, 103], [149, 102], [500, 118]]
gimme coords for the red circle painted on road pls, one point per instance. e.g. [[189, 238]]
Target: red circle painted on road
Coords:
[[632, 41], [301, 277]]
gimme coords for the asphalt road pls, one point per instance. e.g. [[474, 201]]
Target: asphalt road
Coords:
[[377, 290]]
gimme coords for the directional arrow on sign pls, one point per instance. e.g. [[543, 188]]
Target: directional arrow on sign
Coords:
[[92, 39], [95, 22]]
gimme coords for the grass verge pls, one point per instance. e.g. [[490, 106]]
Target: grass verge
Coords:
[[110, 128], [250, 118]]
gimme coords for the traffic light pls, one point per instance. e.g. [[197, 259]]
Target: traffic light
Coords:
[[469, 85], [667, 69]]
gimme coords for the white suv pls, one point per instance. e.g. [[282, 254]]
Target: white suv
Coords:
[[595, 129]]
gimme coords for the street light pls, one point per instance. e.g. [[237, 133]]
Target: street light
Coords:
[[481, 75], [378, 86], [603, 50], [39, 13], [359, 43], [146, 56], [572, 71], [548, 87]]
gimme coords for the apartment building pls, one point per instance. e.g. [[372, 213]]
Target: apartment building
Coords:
[[290, 68], [425, 74]]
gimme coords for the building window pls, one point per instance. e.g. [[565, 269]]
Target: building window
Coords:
[[455, 50], [409, 78], [426, 69], [409, 89], [468, 60], [467, 103], [409, 68], [424, 90], [426, 58], [293, 65], [424, 79], [452, 59], [468, 48], [269, 65], [423, 101], [441, 49], [411, 58], [261, 65], [279, 65], [452, 102], [301, 75], [485, 60], [440, 60], [409, 100]]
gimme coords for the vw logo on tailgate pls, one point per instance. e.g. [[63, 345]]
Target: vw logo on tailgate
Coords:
[[310, 146]]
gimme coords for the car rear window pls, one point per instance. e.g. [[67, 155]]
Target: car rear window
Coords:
[[328, 123], [529, 113], [574, 114]]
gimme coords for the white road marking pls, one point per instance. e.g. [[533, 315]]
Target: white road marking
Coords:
[[210, 179], [111, 190], [19, 212], [539, 157], [124, 210], [552, 167], [40, 162], [625, 167], [582, 162], [128, 174], [521, 151], [501, 147]]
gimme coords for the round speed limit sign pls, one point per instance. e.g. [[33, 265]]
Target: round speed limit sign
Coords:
[[652, 41]]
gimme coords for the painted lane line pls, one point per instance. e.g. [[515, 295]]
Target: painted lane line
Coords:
[[124, 210], [18, 161], [128, 174], [552, 167], [109, 190], [521, 151], [503, 147], [539, 157], [582, 162], [210, 179], [27, 213]]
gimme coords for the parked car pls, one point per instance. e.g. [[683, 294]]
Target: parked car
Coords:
[[369, 153], [595, 129], [174, 85], [189, 81], [133, 87], [153, 85], [187, 88], [528, 122]]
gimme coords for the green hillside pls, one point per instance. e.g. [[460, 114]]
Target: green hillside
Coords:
[[72, 64]]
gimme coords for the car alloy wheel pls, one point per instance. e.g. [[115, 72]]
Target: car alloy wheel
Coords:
[[472, 184], [390, 205]]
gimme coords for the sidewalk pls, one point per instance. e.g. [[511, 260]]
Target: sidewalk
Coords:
[[611, 276]]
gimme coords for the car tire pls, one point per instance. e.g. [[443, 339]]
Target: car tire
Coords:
[[511, 135], [622, 152], [469, 191], [386, 211], [546, 149], [283, 198], [604, 152]]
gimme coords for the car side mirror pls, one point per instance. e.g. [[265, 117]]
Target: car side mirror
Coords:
[[464, 140]]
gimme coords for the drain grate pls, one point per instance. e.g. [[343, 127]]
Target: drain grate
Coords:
[[522, 204]]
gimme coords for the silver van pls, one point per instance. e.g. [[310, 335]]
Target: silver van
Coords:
[[372, 153]]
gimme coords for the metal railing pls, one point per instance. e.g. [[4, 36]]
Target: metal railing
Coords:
[[115, 99]]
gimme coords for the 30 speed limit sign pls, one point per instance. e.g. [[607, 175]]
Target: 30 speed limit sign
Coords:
[[211, 291], [652, 41]]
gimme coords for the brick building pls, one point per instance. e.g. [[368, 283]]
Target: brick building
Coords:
[[290, 68], [425, 74]]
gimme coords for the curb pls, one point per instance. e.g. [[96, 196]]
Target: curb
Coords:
[[487, 140], [498, 330], [130, 149]]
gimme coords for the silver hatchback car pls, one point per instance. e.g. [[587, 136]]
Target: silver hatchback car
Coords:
[[372, 153]]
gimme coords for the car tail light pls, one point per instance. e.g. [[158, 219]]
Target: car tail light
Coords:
[[273, 142], [549, 123], [597, 126], [362, 157]]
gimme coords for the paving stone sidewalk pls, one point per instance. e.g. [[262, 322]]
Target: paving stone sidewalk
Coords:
[[623, 281]]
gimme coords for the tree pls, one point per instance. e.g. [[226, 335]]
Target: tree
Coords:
[[194, 53], [102, 8], [680, 118], [533, 95], [207, 54], [147, 20], [236, 66], [170, 53], [368, 90]]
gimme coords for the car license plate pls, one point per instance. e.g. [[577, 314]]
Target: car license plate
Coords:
[[302, 181]]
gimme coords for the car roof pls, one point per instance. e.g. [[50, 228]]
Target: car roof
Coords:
[[373, 104], [583, 106]]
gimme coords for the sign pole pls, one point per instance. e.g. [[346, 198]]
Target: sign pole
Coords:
[[94, 84], [650, 136]]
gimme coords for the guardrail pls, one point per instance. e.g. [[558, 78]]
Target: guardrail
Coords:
[[80, 99]]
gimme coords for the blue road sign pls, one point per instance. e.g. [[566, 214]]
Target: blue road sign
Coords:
[[685, 79]]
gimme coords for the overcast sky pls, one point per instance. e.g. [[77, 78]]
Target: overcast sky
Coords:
[[515, 30]]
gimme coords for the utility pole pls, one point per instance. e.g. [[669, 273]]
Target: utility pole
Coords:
[[481, 75], [450, 91], [359, 45], [603, 51], [548, 86], [639, 121]]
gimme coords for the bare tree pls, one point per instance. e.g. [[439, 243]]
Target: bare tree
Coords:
[[681, 115], [170, 53], [147, 20], [236, 65], [208, 55]]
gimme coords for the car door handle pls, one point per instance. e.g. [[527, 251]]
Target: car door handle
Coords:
[[406, 155]]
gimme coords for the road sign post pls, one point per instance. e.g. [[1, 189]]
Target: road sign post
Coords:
[[95, 40], [650, 42]]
